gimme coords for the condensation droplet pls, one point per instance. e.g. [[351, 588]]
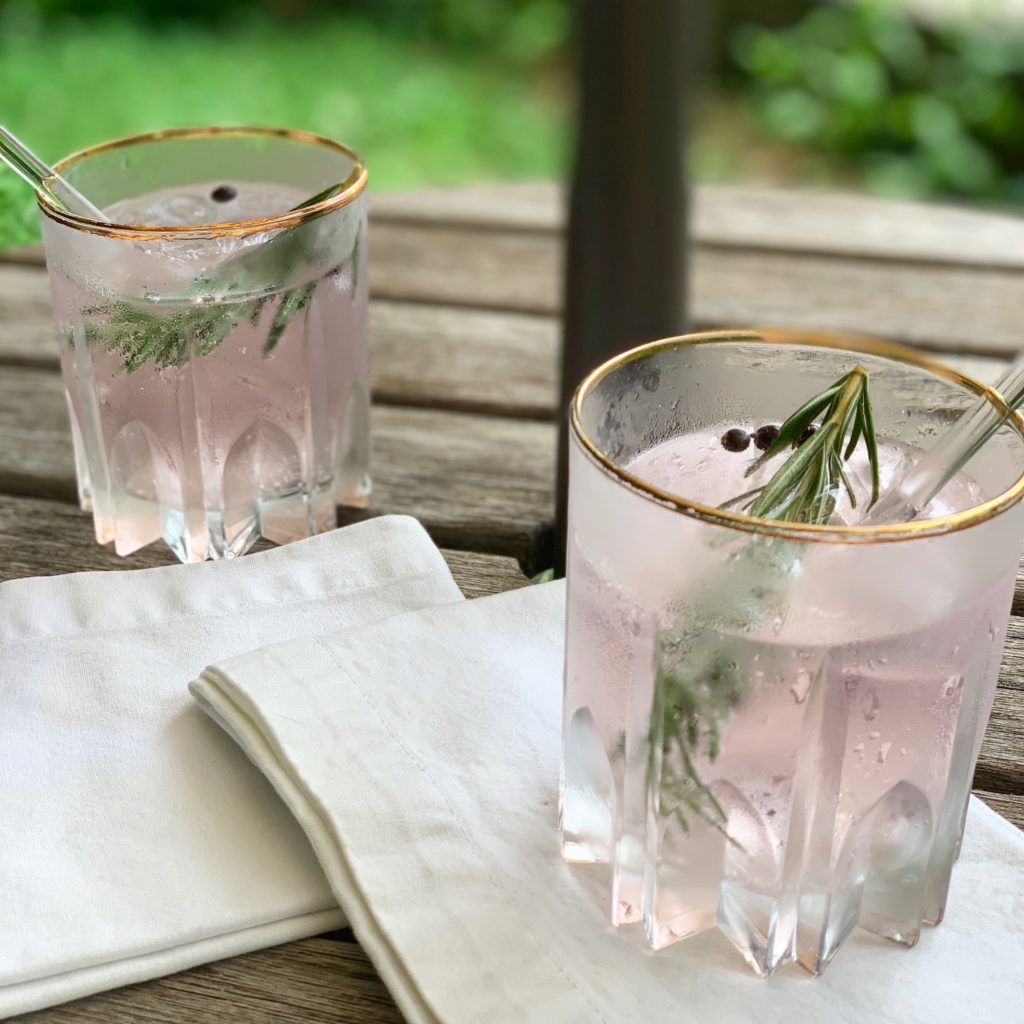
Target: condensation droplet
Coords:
[[874, 734], [800, 688], [872, 708], [951, 687], [883, 752]]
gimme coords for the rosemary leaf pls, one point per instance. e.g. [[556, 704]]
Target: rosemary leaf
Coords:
[[871, 443], [792, 472], [291, 303], [794, 426]]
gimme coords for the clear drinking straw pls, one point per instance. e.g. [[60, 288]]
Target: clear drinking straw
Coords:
[[911, 494], [45, 179]]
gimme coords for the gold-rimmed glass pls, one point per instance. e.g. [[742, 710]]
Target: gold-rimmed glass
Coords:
[[214, 336], [772, 728]]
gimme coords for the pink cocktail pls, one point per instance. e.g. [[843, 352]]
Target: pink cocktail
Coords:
[[214, 337], [772, 728]]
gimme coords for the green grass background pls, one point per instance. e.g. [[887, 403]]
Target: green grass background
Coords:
[[855, 95], [417, 113]]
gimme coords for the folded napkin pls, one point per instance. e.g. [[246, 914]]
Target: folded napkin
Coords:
[[135, 838], [420, 755]]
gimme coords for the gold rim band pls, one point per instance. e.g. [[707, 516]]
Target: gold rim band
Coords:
[[800, 531], [352, 187]]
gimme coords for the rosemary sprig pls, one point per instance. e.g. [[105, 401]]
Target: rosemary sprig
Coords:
[[701, 672], [805, 488], [140, 336]]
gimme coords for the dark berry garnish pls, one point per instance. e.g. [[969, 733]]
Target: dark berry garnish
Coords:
[[809, 432], [223, 193], [765, 436], [735, 440]]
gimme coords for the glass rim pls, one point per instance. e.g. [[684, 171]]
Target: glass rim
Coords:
[[820, 533], [352, 187]]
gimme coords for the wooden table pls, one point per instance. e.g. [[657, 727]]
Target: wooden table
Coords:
[[466, 285]]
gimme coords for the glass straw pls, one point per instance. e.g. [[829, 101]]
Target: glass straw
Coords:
[[45, 179], [911, 494]]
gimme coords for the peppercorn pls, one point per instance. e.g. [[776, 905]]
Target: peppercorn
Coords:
[[809, 432], [765, 436], [223, 193], [735, 440]]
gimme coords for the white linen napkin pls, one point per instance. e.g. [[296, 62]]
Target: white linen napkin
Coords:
[[135, 838], [420, 754]]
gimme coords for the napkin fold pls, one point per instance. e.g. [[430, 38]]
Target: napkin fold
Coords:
[[135, 838], [420, 755]]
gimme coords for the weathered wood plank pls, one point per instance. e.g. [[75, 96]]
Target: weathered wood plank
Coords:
[[737, 216], [1000, 766], [479, 483], [743, 216], [944, 278], [1013, 652], [26, 327], [470, 360], [43, 538], [316, 981], [941, 307], [1009, 805]]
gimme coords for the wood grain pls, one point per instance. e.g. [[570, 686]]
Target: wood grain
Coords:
[[464, 359], [479, 483], [316, 981], [735, 216], [1010, 806], [941, 307], [42, 538], [999, 767], [26, 328], [748, 217], [937, 276]]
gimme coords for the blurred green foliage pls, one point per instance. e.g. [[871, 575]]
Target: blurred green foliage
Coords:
[[516, 30], [915, 110], [418, 110], [442, 91]]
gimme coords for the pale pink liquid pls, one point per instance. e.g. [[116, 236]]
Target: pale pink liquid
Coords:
[[845, 769], [234, 444]]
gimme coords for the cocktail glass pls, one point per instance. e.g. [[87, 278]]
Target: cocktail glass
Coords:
[[772, 728], [214, 338]]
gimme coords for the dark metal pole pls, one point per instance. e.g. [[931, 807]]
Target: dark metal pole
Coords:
[[625, 278]]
